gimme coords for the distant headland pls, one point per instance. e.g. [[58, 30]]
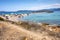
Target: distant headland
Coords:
[[30, 11]]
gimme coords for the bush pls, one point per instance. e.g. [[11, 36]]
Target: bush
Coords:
[[1, 19]]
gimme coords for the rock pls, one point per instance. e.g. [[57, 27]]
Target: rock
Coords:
[[54, 28]]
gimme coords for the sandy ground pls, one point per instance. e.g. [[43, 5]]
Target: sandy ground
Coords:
[[10, 31]]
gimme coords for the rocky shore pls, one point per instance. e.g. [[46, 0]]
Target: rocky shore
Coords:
[[9, 25], [13, 17]]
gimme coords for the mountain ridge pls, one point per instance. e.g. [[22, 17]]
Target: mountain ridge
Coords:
[[30, 11]]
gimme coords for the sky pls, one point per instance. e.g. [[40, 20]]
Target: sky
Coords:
[[14, 5]]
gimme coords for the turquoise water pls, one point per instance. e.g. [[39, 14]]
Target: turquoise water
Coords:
[[53, 18]]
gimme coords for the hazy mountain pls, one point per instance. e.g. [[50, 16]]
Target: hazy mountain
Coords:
[[30, 11]]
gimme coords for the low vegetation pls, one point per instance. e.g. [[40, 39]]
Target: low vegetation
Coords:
[[1, 19], [39, 31]]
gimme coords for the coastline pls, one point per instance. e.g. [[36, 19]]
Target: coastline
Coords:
[[28, 30], [14, 18]]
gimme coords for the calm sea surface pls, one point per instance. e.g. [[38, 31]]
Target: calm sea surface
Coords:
[[53, 18]]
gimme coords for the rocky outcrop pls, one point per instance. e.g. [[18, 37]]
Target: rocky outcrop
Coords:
[[53, 27]]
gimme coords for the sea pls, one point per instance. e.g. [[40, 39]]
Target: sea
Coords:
[[43, 17], [51, 18]]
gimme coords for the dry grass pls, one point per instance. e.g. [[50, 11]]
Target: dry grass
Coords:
[[11, 32], [25, 31]]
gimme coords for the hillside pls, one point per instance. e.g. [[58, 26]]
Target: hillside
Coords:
[[24, 31], [50, 10]]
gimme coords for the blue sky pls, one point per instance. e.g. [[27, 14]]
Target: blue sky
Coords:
[[14, 5]]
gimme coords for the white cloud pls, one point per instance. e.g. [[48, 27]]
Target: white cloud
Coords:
[[45, 6], [54, 6]]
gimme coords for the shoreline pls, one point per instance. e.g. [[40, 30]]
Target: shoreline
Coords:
[[28, 29], [16, 17], [51, 27]]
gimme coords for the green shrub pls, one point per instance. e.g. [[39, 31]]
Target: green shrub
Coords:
[[1, 19]]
